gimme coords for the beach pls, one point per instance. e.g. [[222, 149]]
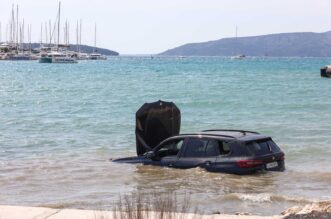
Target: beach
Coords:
[[61, 124], [315, 210], [14, 212]]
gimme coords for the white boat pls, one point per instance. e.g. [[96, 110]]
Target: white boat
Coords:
[[3, 56], [57, 57], [95, 55], [240, 56], [61, 54], [82, 56]]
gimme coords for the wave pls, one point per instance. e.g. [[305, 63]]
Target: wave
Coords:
[[266, 197]]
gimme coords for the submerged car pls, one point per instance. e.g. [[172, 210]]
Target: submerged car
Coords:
[[229, 151]]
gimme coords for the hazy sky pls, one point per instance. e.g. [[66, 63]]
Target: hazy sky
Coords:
[[152, 26]]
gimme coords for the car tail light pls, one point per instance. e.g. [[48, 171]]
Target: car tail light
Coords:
[[282, 157], [249, 163]]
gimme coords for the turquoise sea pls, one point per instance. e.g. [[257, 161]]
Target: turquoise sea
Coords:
[[60, 125]]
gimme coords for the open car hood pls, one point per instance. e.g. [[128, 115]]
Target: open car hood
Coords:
[[155, 122]]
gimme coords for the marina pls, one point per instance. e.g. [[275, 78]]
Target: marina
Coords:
[[52, 50]]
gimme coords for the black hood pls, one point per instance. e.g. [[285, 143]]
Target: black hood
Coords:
[[155, 122]]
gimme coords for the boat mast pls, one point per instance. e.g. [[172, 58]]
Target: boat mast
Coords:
[[22, 36], [236, 39], [17, 27], [0, 33], [65, 33], [95, 38], [50, 32], [77, 36], [46, 33], [80, 35], [29, 33], [58, 27], [12, 26], [68, 34], [6, 33], [41, 34]]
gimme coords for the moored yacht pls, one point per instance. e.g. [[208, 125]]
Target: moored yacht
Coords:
[[56, 57], [20, 57], [59, 53], [97, 56], [239, 56], [242, 56]]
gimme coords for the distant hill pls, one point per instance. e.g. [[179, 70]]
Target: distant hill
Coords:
[[305, 44], [83, 48]]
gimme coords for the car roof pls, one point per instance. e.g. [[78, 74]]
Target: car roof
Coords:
[[229, 134]]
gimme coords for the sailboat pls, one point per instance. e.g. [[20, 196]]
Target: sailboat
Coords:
[[60, 55], [95, 55], [18, 32], [239, 56]]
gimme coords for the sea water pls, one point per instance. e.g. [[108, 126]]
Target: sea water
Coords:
[[60, 125]]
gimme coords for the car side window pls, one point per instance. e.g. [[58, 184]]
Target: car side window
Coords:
[[224, 148], [212, 148], [170, 148], [195, 147]]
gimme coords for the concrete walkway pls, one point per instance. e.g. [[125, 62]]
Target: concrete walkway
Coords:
[[18, 212]]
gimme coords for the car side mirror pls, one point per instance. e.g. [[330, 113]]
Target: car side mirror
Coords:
[[150, 154]]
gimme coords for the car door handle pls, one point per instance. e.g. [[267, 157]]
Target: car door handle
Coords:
[[170, 165], [207, 163]]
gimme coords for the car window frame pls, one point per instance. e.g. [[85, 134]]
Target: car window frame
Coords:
[[187, 146], [218, 149], [230, 152], [258, 141], [202, 138], [161, 145]]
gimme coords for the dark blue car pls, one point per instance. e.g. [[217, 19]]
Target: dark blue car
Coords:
[[228, 151]]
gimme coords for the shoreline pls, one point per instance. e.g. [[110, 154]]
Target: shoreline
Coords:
[[22, 212], [315, 210]]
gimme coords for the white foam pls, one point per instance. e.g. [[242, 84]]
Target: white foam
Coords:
[[262, 197]]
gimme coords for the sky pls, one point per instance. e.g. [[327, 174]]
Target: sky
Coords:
[[153, 26]]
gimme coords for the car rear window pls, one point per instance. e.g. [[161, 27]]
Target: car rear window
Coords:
[[262, 147], [273, 146]]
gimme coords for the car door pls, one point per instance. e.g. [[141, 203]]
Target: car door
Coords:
[[168, 152], [198, 152]]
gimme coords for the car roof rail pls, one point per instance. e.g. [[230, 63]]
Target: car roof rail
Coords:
[[231, 130], [218, 135]]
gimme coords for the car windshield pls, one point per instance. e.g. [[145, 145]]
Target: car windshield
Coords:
[[262, 147]]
